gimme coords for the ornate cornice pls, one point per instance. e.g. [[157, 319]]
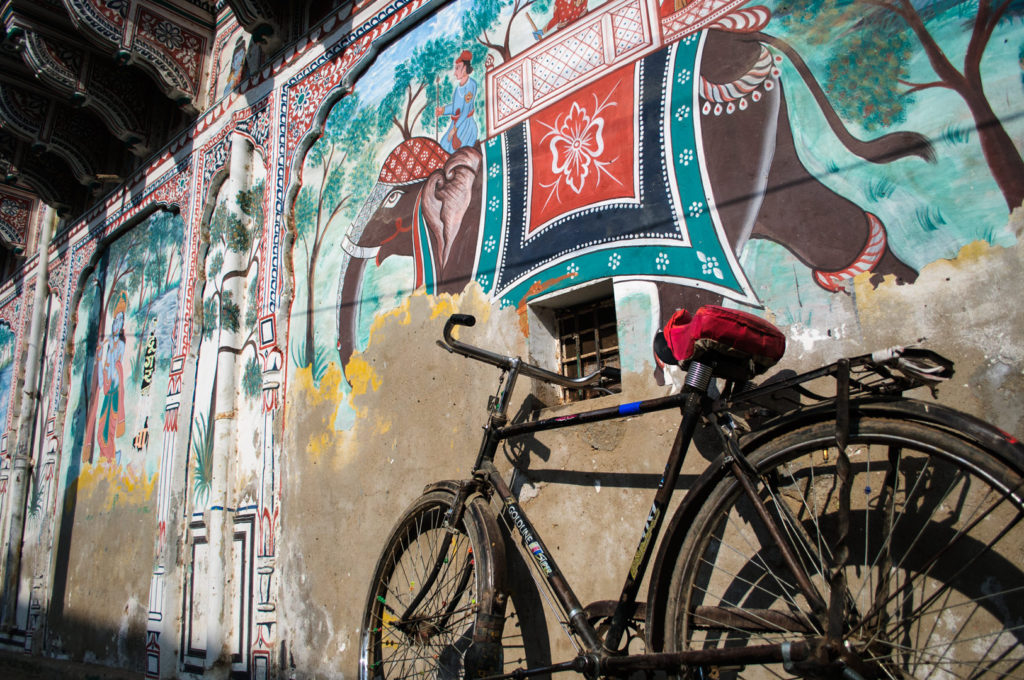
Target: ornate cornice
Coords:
[[74, 73], [170, 49], [258, 17], [15, 213], [40, 172], [50, 126]]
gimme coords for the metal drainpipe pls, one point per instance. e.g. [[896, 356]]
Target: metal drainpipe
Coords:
[[22, 463]]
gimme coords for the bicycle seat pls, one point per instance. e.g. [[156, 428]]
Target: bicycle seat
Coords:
[[737, 345]]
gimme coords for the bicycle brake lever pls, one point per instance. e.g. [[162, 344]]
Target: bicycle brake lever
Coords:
[[444, 346]]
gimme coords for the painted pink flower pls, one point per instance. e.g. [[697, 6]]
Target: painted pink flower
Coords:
[[577, 141]]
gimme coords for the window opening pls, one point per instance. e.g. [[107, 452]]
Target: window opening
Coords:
[[588, 340]]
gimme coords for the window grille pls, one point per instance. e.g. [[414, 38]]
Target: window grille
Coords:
[[587, 340]]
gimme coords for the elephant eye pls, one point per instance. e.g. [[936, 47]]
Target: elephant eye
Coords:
[[391, 200]]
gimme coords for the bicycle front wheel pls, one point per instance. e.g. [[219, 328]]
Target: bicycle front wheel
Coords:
[[431, 602], [929, 551]]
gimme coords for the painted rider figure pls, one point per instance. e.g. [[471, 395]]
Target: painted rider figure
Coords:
[[462, 130]]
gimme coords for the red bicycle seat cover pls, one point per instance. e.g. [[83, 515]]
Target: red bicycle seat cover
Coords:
[[724, 331]]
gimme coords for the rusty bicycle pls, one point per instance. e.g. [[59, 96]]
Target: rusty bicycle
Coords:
[[844, 530]]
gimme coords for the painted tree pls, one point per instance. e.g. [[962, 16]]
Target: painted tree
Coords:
[[871, 43], [419, 84], [320, 206], [6, 346], [158, 263], [234, 228], [490, 24], [235, 231], [114, 275]]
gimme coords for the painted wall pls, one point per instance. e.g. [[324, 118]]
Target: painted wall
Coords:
[[242, 386]]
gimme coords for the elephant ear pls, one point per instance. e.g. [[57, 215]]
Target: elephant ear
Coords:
[[446, 197]]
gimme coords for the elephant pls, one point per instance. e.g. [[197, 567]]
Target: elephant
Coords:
[[769, 195], [418, 178], [776, 197]]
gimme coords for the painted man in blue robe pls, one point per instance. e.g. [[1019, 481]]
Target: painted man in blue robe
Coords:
[[462, 130]]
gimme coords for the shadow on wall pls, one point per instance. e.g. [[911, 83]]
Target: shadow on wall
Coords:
[[79, 637], [21, 666]]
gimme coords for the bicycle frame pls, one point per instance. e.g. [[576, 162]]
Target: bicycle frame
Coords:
[[603, 656], [601, 651], [542, 558]]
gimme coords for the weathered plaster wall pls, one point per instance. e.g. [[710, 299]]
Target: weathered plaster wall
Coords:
[[300, 401]]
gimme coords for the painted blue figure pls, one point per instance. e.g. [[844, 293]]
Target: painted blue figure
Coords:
[[462, 130]]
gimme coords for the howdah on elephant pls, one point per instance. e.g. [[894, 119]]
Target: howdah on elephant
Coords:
[[427, 204]]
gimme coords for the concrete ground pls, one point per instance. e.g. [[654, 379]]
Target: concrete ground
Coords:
[[20, 666]]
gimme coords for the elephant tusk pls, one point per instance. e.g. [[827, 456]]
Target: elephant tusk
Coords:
[[358, 251]]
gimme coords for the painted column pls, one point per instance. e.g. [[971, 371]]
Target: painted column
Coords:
[[265, 615], [160, 625], [22, 463], [224, 413]]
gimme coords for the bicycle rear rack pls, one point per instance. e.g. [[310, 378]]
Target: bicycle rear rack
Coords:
[[887, 373]]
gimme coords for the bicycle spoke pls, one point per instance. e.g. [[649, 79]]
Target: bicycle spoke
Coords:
[[930, 657], [963, 570], [812, 514], [423, 612], [974, 519], [755, 552], [932, 581]]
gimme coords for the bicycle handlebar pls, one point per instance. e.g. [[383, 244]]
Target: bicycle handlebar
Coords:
[[508, 362]]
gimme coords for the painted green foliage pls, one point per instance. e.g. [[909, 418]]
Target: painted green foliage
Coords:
[[235, 232], [202, 459], [123, 343], [341, 173], [7, 340], [228, 319], [870, 48]]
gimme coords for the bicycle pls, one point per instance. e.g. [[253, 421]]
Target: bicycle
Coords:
[[857, 534]]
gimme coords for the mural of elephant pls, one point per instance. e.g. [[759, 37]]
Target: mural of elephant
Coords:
[[419, 179], [752, 159], [428, 205]]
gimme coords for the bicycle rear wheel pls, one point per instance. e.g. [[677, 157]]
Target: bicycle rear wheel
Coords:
[[431, 610], [934, 542]]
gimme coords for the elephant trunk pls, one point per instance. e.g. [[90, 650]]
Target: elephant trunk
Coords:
[[350, 272]]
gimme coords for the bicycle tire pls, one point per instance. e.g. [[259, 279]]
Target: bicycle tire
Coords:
[[934, 586], [443, 584]]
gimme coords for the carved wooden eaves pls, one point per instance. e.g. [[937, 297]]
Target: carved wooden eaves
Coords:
[[169, 40], [87, 80], [262, 19], [15, 213], [49, 125], [41, 173]]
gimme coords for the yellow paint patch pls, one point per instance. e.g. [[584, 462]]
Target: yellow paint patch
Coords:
[[319, 405], [121, 486], [361, 376], [870, 296], [402, 314], [315, 406], [327, 391], [444, 305]]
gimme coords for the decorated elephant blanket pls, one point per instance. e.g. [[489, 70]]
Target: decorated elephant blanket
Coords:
[[608, 182]]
